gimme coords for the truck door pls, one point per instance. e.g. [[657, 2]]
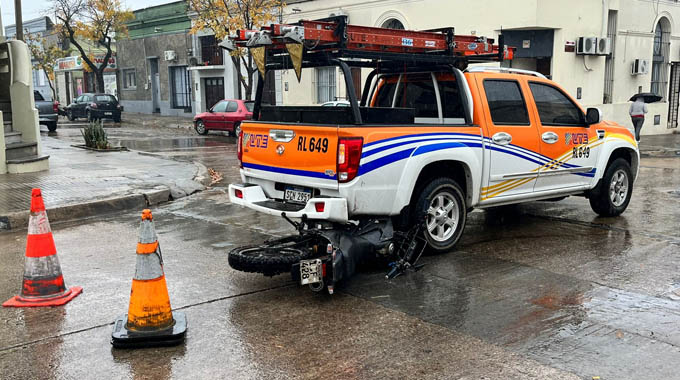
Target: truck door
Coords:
[[564, 138], [510, 137]]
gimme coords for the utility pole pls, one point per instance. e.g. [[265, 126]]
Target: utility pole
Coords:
[[18, 20]]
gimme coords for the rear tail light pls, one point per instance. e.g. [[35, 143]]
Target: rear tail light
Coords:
[[93, 105], [55, 106], [238, 193], [239, 149], [319, 206], [349, 157]]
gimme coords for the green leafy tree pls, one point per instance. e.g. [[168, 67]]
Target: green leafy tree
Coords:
[[96, 21], [45, 56]]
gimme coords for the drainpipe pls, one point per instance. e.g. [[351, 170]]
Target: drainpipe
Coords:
[[2, 32], [605, 17]]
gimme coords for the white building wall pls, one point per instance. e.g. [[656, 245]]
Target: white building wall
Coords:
[[569, 19]]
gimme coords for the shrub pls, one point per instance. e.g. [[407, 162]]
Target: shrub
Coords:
[[95, 136]]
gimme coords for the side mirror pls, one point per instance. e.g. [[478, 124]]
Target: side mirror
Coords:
[[210, 110], [593, 116]]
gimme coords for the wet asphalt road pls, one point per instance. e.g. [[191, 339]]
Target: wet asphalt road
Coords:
[[545, 290]]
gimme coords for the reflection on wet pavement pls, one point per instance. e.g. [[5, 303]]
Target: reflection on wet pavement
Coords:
[[572, 297]]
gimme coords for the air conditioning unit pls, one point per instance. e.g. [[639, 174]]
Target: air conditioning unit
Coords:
[[604, 46], [338, 13], [193, 61], [586, 45], [639, 67], [170, 55]]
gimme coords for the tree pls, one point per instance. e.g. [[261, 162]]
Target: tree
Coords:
[[96, 21], [45, 56], [224, 16]]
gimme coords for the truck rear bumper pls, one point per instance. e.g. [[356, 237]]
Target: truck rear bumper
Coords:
[[253, 197]]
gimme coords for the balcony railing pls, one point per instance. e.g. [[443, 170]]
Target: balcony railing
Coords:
[[211, 55]]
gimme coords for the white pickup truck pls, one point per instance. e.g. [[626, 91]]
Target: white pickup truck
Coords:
[[473, 140]]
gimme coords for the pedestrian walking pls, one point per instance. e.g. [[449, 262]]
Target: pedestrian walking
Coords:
[[637, 115]]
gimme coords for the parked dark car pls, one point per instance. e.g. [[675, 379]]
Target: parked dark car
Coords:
[[47, 111], [95, 107], [225, 115]]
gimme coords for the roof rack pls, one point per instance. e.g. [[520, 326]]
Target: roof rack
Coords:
[[485, 69], [334, 38]]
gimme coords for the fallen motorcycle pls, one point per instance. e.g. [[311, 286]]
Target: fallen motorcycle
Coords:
[[323, 254]]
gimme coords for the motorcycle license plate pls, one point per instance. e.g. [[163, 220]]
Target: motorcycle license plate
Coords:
[[297, 195], [310, 271], [108, 113]]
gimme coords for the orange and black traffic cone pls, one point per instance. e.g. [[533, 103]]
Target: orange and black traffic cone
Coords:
[[43, 282], [150, 320]]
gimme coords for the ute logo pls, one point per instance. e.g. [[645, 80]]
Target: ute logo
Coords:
[[251, 140], [575, 138]]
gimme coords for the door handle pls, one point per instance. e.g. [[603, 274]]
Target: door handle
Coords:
[[550, 137], [501, 138]]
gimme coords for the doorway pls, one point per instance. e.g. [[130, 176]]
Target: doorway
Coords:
[[214, 91], [155, 85]]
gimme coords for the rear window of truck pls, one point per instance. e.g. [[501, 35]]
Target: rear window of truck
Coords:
[[417, 91]]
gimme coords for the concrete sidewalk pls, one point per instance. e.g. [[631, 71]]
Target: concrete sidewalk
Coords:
[[83, 183], [660, 146]]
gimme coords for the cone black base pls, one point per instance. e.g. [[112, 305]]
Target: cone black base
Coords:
[[172, 336]]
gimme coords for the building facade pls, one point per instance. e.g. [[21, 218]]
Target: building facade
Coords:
[[641, 51], [153, 62], [214, 73], [43, 27]]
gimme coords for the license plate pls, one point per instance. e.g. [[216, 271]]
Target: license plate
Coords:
[[297, 195], [108, 113], [310, 271]]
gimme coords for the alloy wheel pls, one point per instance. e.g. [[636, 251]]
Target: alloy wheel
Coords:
[[442, 217], [618, 188]]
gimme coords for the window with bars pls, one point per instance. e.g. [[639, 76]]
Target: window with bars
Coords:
[[211, 54], [325, 84], [180, 87], [129, 79], [662, 43], [608, 95]]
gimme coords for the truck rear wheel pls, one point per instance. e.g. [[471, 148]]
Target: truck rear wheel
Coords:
[[612, 195], [441, 206]]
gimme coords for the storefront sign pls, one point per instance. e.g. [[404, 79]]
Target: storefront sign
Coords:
[[100, 58], [76, 63], [69, 63]]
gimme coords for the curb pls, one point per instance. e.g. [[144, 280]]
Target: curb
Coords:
[[202, 175], [19, 220]]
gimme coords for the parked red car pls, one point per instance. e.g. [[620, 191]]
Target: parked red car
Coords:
[[225, 115]]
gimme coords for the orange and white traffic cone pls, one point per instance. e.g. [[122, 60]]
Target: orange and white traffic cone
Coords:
[[43, 282], [150, 320]]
